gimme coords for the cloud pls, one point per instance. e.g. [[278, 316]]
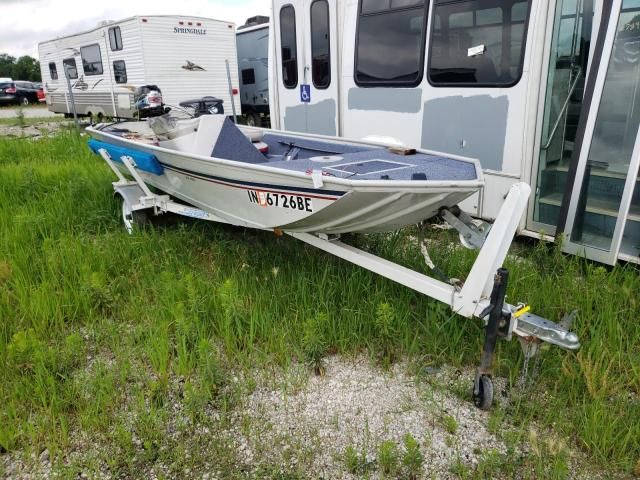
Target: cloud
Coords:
[[25, 23]]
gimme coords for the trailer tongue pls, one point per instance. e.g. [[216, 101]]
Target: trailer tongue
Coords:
[[481, 296]]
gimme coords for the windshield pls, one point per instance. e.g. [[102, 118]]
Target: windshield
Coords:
[[6, 85]]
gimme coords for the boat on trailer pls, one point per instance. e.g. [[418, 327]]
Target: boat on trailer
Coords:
[[315, 188]]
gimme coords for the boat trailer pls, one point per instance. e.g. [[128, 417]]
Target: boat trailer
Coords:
[[481, 296]]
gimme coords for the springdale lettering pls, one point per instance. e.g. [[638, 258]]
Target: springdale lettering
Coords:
[[193, 31]]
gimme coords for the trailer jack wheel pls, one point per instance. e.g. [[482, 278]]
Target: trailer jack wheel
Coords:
[[483, 392]]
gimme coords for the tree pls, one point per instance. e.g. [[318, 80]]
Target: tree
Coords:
[[26, 68], [6, 65]]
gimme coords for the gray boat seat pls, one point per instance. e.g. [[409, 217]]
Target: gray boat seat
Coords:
[[219, 137]]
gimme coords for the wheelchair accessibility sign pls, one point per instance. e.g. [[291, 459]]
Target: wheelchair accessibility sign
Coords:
[[305, 93]]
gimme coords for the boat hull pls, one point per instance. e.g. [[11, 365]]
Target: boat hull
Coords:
[[267, 198]]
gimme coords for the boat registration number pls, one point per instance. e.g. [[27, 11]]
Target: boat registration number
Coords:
[[291, 202]]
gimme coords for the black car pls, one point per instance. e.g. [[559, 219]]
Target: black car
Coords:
[[18, 92]]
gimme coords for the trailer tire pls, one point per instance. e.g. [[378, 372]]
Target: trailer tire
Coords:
[[134, 219], [254, 119]]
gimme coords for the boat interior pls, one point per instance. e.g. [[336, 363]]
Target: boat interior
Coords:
[[217, 136]]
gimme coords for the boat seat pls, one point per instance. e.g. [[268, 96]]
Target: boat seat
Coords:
[[219, 137]]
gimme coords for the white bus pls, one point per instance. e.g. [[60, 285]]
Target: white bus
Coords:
[[184, 56], [541, 91]]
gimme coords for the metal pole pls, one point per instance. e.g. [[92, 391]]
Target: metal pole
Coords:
[[73, 101], [233, 103]]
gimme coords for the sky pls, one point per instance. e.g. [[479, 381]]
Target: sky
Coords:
[[24, 23]]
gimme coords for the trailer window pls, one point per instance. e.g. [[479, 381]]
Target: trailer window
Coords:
[[115, 38], [53, 71], [248, 76], [120, 71], [289, 46], [69, 65], [478, 42], [390, 43], [91, 59], [320, 44]]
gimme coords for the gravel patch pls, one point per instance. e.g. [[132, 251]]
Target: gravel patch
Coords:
[[32, 131], [357, 405], [293, 424], [28, 112]]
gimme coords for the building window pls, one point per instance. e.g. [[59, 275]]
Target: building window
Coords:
[[320, 44], [478, 42], [69, 65], [248, 76], [115, 38], [390, 43], [53, 71], [91, 59], [120, 71], [289, 46]]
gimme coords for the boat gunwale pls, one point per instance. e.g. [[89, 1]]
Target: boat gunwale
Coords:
[[353, 184]]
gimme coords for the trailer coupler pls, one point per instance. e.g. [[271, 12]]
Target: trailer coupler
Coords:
[[530, 325]]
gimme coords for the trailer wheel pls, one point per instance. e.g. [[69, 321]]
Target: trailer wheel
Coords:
[[254, 119], [134, 219], [483, 393]]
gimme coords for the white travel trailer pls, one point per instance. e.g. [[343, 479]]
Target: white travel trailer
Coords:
[[184, 56], [544, 91], [252, 41]]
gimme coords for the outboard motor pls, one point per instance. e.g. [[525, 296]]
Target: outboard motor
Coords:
[[148, 101], [204, 106]]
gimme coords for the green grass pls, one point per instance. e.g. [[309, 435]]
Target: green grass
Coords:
[[96, 325]]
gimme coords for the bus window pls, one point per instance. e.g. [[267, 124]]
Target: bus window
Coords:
[[390, 43], [320, 45], [289, 46], [478, 42]]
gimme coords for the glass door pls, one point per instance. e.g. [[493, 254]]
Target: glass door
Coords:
[[567, 68], [604, 206]]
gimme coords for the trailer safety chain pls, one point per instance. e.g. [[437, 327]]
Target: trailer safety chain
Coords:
[[529, 348], [438, 272]]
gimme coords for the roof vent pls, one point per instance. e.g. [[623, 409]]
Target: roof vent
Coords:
[[253, 21]]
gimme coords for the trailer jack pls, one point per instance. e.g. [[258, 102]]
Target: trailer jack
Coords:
[[483, 385]]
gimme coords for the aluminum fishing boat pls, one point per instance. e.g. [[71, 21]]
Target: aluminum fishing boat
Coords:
[[270, 179], [314, 188]]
